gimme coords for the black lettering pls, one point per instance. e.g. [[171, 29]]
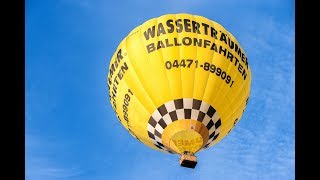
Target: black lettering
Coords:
[[109, 80], [120, 75], [236, 62], [115, 80], [244, 74], [213, 33], [116, 63], [240, 68], [223, 50], [197, 42], [239, 51], [185, 42], [170, 26], [223, 38], [114, 104], [114, 88], [229, 56], [206, 26], [247, 63], [150, 47], [236, 47], [206, 43], [113, 95], [111, 71], [176, 43], [160, 45], [179, 26], [195, 27], [214, 47], [108, 84], [167, 43], [160, 29], [124, 67], [150, 32], [243, 57], [119, 55], [231, 43], [187, 25]]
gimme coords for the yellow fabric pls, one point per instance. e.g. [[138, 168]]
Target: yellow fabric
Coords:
[[178, 56]]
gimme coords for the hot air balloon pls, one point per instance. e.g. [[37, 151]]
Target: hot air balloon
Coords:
[[179, 83]]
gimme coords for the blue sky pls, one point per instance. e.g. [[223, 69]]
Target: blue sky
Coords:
[[72, 132]]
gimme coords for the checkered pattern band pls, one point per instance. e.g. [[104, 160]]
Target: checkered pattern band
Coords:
[[179, 109]]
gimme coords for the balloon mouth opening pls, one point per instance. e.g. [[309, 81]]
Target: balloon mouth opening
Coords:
[[186, 142]]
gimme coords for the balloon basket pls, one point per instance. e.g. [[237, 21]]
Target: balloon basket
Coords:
[[188, 161]]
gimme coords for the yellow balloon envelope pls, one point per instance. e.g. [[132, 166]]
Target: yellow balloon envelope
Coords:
[[179, 83]]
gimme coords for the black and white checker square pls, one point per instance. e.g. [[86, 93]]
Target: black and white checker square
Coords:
[[181, 109]]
